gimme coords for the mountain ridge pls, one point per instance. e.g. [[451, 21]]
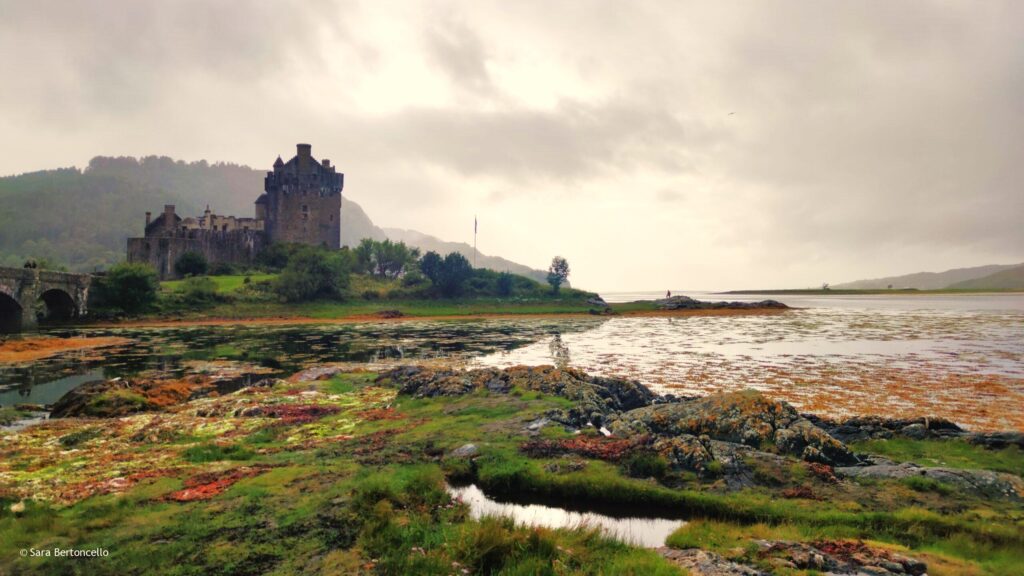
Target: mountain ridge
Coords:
[[927, 280]]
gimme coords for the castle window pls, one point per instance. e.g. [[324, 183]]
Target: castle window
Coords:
[[305, 212]]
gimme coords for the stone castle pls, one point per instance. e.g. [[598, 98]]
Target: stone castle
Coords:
[[301, 203]]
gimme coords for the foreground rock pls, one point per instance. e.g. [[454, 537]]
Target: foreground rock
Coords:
[[699, 562], [687, 303], [747, 418], [838, 557], [595, 396], [860, 428], [985, 483]]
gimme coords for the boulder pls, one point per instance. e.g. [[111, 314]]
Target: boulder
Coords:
[[699, 562]]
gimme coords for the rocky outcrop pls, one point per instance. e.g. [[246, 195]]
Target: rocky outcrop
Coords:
[[838, 557], [595, 396], [699, 562], [985, 483], [687, 303], [746, 417], [860, 428]]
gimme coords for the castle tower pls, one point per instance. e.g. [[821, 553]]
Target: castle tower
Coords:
[[302, 203]]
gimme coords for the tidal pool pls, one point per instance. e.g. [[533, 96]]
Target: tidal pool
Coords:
[[648, 532]]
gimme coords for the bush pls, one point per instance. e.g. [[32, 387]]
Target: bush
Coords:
[[384, 258], [312, 273], [645, 465], [128, 287], [198, 290], [222, 269], [191, 264], [414, 279]]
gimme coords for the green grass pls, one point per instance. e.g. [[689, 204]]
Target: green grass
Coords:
[[224, 284], [216, 452], [946, 453]]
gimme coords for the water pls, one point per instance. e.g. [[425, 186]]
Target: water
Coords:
[[957, 356], [649, 532]]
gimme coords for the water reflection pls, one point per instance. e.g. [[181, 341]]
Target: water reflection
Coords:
[[647, 532], [284, 349]]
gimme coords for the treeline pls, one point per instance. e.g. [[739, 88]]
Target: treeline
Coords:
[[302, 273]]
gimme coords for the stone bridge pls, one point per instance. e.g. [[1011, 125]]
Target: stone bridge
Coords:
[[30, 295]]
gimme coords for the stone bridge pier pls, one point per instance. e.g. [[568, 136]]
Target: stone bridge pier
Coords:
[[30, 295]]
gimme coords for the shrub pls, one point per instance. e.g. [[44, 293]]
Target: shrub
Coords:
[[645, 465], [414, 279], [128, 287], [314, 273], [191, 264], [198, 289], [222, 269], [455, 271]]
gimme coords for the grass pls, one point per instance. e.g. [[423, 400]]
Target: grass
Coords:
[[946, 453], [231, 283], [376, 502]]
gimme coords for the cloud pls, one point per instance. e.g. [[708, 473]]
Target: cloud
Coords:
[[792, 140]]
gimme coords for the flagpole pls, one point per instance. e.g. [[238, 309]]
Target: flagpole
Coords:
[[474, 241]]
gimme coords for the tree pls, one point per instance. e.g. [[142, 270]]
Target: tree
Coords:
[[191, 264], [130, 287], [314, 272], [504, 284], [384, 258], [430, 265], [558, 273], [454, 272]]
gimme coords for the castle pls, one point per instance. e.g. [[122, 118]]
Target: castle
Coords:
[[301, 203]]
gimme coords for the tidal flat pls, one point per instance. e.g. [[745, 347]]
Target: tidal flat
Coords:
[[838, 439]]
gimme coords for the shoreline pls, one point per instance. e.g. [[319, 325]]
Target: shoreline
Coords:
[[361, 318]]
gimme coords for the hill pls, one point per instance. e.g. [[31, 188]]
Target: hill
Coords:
[[926, 280], [81, 217], [1008, 279]]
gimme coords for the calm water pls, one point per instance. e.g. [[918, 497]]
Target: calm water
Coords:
[[952, 355], [649, 532]]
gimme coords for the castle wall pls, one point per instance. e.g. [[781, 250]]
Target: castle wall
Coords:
[[162, 252], [305, 217]]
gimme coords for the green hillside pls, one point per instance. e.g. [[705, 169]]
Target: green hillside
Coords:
[[1010, 279]]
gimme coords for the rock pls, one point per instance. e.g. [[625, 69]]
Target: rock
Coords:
[[860, 428], [985, 483], [703, 563], [466, 451], [687, 303], [685, 452], [997, 440], [839, 557], [595, 396], [745, 417], [597, 301]]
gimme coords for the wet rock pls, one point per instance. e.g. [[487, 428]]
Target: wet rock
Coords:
[[597, 301], [838, 557], [745, 417], [860, 428], [687, 303], [703, 563], [985, 483], [466, 451], [997, 440]]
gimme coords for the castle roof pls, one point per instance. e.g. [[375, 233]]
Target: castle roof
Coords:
[[262, 199]]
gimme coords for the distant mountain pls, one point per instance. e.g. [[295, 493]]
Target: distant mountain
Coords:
[[1008, 279], [81, 217], [425, 243], [926, 280]]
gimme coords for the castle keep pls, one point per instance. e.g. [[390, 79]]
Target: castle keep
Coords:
[[301, 203]]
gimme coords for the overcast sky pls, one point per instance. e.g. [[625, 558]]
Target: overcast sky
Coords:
[[655, 145]]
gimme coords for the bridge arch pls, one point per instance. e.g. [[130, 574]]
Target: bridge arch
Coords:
[[10, 314], [56, 305]]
